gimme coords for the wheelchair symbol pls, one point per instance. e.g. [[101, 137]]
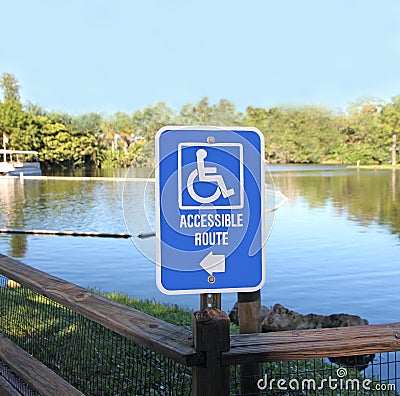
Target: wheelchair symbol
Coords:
[[207, 174], [202, 182]]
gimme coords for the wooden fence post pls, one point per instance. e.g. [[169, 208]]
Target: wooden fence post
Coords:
[[249, 306], [211, 336]]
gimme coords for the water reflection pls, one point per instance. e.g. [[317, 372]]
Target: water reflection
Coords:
[[12, 197], [366, 197], [18, 246], [62, 205], [330, 249], [363, 196]]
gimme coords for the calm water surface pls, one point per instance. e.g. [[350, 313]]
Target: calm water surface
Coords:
[[334, 246]]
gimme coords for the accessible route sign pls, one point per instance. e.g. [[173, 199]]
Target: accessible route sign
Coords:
[[209, 209]]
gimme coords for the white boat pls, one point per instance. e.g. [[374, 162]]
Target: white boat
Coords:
[[18, 163]]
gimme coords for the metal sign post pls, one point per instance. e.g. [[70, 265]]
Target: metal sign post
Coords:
[[209, 210], [210, 301]]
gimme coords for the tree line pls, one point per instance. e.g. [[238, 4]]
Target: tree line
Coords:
[[307, 134]]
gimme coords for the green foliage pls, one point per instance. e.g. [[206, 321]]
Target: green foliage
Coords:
[[171, 313], [203, 113], [365, 139], [308, 134], [296, 135], [9, 86], [11, 116], [27, 135], [147, 122]]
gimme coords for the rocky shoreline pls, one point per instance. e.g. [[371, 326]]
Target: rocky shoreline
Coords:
[[280, 318]]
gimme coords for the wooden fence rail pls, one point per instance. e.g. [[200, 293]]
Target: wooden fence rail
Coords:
[[32, 372], [209, 349], [311, 344]]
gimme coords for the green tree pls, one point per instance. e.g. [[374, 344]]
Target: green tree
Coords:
[[148, 121], [11, 113], [299, 135], [365, 139], [10, 87], [65, 143], [271, 123], [202, 113], [86, 130], [390, 121], [27, 136], [122, 123], [119, 130]]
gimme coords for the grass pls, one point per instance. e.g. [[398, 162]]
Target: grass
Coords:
[[170, 313], [95, 360], [100, 362], [375, 167]]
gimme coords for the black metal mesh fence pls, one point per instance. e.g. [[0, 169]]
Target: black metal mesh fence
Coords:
[[98, 361], [370, 375], [92, 358]]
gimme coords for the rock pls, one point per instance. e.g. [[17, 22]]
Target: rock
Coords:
[[234, 313], [281, 319], [263, 312], [344, 320], [360, 362]]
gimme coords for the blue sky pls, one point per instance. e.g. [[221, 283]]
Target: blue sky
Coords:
[[121, 55]]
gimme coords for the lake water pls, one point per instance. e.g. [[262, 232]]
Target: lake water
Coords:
[[334, 246]]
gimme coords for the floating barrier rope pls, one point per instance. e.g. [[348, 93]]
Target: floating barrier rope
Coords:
[[283, 200], [65, 233]]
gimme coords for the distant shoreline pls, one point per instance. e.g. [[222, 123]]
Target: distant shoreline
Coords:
[[375, 167]]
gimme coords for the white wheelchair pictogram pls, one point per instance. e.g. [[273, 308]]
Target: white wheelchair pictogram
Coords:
[[207, 174]]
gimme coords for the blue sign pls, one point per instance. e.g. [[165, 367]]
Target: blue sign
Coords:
[[209, 209]]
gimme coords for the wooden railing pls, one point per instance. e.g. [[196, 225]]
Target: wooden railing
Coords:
[[311, 344], [162, 337], [32, 372], [209, 349]]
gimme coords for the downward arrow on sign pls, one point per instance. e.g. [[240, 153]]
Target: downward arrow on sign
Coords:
[[213, 263]]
